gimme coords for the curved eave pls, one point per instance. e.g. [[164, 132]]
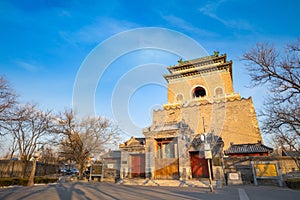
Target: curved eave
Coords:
[[198, 61], [198, 70]]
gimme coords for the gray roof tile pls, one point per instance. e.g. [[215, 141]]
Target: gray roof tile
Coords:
[[248, 148]]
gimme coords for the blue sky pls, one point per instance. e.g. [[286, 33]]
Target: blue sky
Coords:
[[44, 43]]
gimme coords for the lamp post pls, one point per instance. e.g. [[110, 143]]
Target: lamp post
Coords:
[[207, 154], [208, 157]]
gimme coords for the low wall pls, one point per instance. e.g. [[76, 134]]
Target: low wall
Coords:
[[10, 168]]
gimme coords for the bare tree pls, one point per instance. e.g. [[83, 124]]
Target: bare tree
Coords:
[[29, 129], [7, 102], [48, 155], [281, 74], [83, 138]]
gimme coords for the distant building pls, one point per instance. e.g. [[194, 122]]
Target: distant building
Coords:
[[133, 158], [111, 164]]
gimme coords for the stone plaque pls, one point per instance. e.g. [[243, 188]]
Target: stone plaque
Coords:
[[233, 176]]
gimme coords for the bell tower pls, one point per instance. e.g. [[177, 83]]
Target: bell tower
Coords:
[[200, 79], [203, 88]]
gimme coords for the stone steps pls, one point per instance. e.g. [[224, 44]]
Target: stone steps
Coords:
[[174, 183]]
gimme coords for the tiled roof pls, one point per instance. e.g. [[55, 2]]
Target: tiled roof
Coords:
[[167, 126], [142, 141], [248, 148], [210, 138], [134, 142]]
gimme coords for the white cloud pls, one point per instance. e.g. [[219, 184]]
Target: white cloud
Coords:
[[181, 23], [97, 31], [211, 9], [64, 13], [27, 66]]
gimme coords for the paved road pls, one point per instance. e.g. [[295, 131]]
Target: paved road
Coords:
[[94, 190]]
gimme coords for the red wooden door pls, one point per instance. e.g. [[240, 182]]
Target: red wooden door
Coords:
[[138, 166], [199, 165]]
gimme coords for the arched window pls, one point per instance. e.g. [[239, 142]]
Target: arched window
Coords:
[[199, 92], [219, 91], [179, 97]]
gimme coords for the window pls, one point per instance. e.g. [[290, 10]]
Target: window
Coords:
[[219, 91], [199, 92], [166, 148], [179, 97]]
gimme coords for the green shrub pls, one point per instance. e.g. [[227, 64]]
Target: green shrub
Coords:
[[5, 182], [45, 180], [24, 181], [40, 180], [293, 183]]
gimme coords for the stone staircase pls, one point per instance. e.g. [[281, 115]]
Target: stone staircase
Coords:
[[175, 183]]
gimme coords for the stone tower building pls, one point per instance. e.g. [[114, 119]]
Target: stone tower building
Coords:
[[201, 102], [201, 99], [203, 89]]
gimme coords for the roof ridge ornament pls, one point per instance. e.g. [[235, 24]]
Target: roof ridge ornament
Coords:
[[216, 53]]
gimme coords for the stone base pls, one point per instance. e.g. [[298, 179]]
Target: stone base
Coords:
[[234, 178]]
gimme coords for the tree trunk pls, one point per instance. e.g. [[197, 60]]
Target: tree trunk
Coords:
[[80, 170], [31, 177]]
